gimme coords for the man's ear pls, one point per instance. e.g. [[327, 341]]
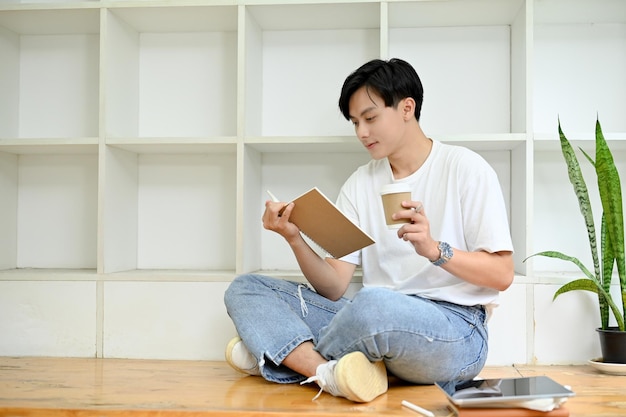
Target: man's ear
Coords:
[[408, 108]]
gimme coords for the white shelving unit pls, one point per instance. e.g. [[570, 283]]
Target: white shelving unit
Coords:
[[137, 139]]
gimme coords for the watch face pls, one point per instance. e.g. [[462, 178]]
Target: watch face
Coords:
[[446, 250], [446, 254]]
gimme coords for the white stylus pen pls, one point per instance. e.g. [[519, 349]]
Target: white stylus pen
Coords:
[[417, 409], [272, 196], [275, 200]]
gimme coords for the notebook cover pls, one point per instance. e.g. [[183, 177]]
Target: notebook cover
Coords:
[[322, 222], [562, 411]]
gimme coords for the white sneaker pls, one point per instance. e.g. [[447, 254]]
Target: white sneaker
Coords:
[[353, 377], [240, 359]]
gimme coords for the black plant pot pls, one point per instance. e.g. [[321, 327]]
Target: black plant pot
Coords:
[[613, 345]]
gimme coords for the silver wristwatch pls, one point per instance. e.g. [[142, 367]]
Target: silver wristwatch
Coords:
[[446, 253]]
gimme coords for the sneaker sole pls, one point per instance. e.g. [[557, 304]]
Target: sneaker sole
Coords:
[[229, 354], [360, 379]]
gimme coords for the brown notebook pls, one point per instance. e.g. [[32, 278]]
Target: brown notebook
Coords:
[[322, 222]]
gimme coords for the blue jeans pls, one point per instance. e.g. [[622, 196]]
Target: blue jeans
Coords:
[[421, 341]]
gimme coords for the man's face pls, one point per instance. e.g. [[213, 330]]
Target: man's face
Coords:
[[379, 128]]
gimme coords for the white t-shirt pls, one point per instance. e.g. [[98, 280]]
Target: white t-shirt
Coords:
[[462, 198]]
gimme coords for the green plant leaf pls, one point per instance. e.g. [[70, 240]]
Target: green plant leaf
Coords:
[[584, 284], [591, 161], [611, 196], [580, 189], [564, 257], [607, 271]]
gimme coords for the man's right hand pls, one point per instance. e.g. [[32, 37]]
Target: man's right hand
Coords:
[[276, 219]]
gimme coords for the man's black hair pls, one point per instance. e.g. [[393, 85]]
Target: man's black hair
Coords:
[[392, 80]]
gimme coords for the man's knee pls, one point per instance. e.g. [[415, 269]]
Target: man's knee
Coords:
[[240, 286]]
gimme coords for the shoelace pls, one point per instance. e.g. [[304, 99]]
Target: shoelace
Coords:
[[325, 381], [303, 307]]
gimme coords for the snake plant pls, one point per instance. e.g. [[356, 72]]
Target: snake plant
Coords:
[[611, 233]]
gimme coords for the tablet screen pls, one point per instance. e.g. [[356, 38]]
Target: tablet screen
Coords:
[[486, 391]]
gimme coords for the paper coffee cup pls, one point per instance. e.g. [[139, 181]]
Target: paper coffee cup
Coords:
[[392, 196]]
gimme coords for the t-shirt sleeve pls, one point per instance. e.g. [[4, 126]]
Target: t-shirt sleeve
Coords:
[[484, 210]]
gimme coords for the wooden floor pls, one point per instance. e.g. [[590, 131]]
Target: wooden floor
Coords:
[[108, 387]]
